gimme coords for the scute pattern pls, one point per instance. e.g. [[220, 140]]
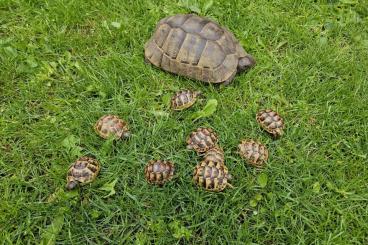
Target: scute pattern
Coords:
[[211, 176], [215, 155], [82, 171], [184, 99], [195, 47], [159, 171], [111, 125], [255, 153], [271, 122], [188, 53], [202, 140]]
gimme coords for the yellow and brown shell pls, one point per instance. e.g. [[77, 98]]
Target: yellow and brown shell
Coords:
[[82, 171], [211, 176], [255, 153], [271, 122], [184, 99], [202, 140], [111, 125], [215, 154], [159, 171]]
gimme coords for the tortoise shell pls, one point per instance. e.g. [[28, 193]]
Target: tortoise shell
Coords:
[[198, 48], [111, 125], [215, 154], [255, 153], [184, 99], [212, 176], [159, 171], [202, 140], [81, 172], [271, 122]]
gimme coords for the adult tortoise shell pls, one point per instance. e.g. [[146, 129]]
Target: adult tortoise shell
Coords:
[[196, 47]]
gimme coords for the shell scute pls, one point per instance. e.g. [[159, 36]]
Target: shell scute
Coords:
[[271, 121], [159, 171], [202, 139], [255, 153], [82, 171], [111, 125], [195, 47], [211, 176], [184, 99]]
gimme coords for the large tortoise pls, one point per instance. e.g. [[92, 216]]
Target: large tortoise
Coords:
[[196, 47]]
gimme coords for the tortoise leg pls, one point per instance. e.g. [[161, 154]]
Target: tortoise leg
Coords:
[[228, 81]]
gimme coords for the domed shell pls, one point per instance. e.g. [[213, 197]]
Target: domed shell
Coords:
[[255, 153], [271, 121], [211, 176], [184, 99], [202, 140], [215, 154], [159, 171], [112, 125], [81, 172], [198, 48]]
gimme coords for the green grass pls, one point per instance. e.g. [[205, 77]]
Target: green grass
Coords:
[[63, 64]]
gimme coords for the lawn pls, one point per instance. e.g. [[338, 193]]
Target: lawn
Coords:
[[64, 64]]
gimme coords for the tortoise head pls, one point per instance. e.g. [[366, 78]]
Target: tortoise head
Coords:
[[71, 185], [126, 135], [278, 132], [198, 94], [246, 62]]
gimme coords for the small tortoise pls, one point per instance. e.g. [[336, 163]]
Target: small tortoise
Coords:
[[215, 154], [253, 152], [111, 125], [202, 140], [184, 99], [198, 48], [159, 171], [212, 176], [271, 122], [83, 171]]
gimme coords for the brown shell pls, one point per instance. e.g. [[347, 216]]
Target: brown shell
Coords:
[[215, 154], [184, 99], [202, 140], [212, 176], [112, 125], [159, 171], [253, 152], [195, 47], [271, 122], [83, 171]]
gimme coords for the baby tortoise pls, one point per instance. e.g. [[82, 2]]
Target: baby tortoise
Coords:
[[212, 176], [271, 122], [202, 140], [255, 153], [159, 171], [111, 125], [81, 172], [215, 154], [198, 48], [184, 99]]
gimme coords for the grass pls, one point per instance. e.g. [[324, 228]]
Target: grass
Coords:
[[66, 63]]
